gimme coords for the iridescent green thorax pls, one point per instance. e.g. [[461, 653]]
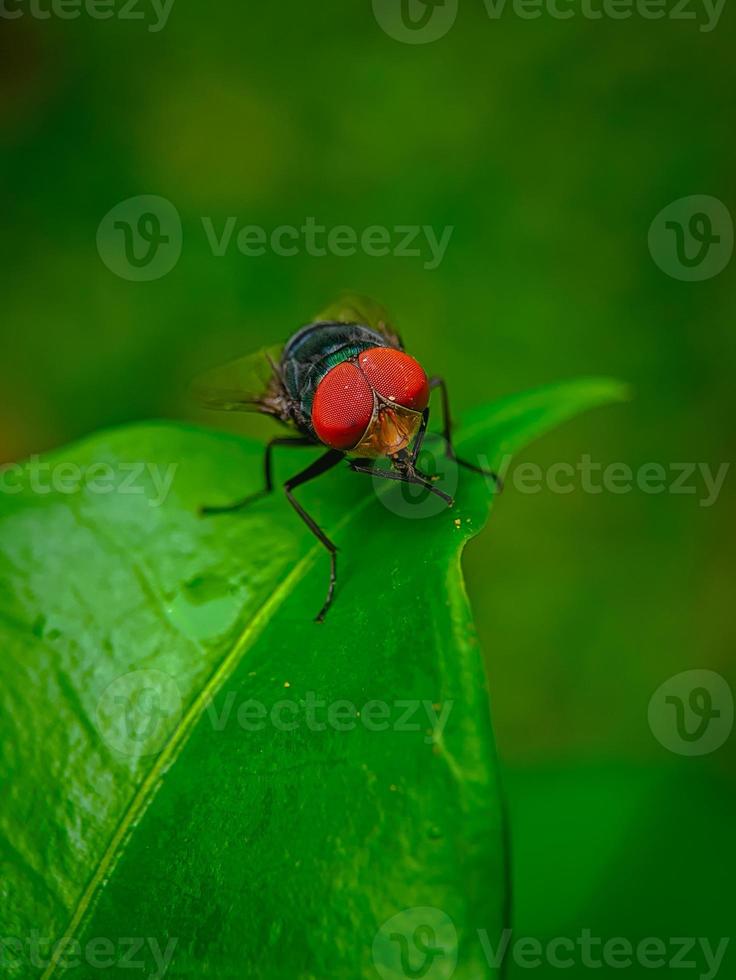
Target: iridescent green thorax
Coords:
[[314, 351]]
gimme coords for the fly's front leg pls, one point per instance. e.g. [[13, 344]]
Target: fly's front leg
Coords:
[[419, 441], [318, 467], [438, 382], [361, 466], [267, 473]]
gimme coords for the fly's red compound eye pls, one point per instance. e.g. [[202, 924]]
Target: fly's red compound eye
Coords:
[[396, 376], [342, 406]]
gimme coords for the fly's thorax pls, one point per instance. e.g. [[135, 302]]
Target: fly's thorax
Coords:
[[311, 354]]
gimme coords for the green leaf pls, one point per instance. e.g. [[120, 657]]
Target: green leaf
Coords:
[[145, 796]]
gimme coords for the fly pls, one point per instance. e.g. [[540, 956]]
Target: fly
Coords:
[[343, 382]]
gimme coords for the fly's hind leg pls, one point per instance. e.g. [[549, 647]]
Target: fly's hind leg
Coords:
[[440, 383], [268, 477]]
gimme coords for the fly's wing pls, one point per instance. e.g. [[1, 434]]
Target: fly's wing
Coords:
[[248, 384], [353, 308]]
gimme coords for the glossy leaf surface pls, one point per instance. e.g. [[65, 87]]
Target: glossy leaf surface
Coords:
[[190, 760]]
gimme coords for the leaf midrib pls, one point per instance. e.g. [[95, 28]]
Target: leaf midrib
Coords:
[[179, 737]]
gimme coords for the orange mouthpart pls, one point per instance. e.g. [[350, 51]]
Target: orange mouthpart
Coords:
[[391, 430]]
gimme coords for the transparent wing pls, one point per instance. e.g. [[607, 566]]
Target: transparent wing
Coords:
[[354, 308], [248, 384]]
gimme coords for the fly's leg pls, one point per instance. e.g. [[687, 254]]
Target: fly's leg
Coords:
[[318, 467], [359, 466], [419, 441], [437, 382], [268, 477]]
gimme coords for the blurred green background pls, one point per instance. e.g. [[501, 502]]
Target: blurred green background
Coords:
[[549, 146]]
